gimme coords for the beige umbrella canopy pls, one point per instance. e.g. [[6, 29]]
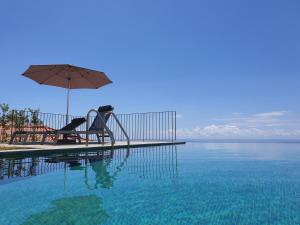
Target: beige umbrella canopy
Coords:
[[67, 76]]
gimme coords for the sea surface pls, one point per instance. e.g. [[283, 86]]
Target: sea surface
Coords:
[[196, 183]]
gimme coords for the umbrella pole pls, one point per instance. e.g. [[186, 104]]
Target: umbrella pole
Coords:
[[67, 115], [68, 100]]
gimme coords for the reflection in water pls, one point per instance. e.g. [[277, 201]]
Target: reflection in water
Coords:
[[100, 168], [141, 186], [19, 167], [74, 210], [154, 162], [99, 165]]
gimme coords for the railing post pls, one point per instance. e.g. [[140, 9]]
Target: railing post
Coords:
[[12, 125], [86, 129], [175, 125]]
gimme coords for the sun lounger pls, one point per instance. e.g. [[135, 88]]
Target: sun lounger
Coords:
[[67, 131], [97, 128]]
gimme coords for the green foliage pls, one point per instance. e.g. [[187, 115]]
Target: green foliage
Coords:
[[12, 119], [35, 116], [3, 116], [19, 118], [4, 121]]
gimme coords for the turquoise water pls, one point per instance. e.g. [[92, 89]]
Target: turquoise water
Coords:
[[196, 183]]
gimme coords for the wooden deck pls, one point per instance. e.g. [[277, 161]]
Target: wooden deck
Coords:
[[80, 147]]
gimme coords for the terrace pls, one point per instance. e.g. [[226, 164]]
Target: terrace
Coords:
[[128, 130]]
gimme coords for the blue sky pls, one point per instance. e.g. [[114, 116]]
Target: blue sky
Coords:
[[230, 68]]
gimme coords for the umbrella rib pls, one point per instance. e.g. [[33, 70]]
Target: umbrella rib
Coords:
[[34, 71], [82, 76], [87, 79], [87, 69], [37, 71], [48, 78]]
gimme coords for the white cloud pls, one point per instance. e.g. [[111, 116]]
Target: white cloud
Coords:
[[269, 119], [179, 116], [230, 131], [272, 114], [263, 125]]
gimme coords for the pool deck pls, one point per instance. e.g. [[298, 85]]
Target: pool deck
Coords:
[[36, 148]]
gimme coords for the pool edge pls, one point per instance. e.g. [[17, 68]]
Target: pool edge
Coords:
[[63, 149]]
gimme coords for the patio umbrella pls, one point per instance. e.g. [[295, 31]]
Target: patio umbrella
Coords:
[[67, 76]]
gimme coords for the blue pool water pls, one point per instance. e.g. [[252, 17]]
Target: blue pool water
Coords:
[[196, 183]]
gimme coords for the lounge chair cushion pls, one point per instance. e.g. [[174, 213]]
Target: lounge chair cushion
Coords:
[[74, 124], [105, 108], [97, 125]]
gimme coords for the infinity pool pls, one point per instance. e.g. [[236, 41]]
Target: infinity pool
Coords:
[[196, 183]]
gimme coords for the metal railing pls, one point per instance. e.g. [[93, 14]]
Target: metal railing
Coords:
[[149, 126]]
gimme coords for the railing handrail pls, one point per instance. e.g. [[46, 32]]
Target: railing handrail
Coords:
[[75, 116], [104, 124], [134, 113]]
